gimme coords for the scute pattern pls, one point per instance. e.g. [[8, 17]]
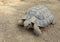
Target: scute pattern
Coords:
[[41, 13]]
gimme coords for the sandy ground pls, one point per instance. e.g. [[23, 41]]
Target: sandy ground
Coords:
[[10, 13]]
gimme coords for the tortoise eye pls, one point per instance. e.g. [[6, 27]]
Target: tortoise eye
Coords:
[[32, 24]]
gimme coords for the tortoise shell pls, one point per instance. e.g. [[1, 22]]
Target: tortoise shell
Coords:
[[41, 14]]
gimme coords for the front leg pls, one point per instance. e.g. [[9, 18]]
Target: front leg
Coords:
[[37, 31]]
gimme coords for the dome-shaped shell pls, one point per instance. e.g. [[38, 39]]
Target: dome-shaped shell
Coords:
[[41, 13]]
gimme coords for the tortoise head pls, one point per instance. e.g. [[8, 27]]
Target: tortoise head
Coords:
[[27, 23]]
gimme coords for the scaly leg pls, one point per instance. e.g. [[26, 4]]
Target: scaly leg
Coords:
[[20, 22], [37, 31]]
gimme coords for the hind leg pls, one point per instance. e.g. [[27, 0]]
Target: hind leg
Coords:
[[37, 31], [21, 22]]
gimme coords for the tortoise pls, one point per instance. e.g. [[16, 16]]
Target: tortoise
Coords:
[[36, 17]]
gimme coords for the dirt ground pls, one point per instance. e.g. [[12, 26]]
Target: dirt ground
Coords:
[[11, 12]]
